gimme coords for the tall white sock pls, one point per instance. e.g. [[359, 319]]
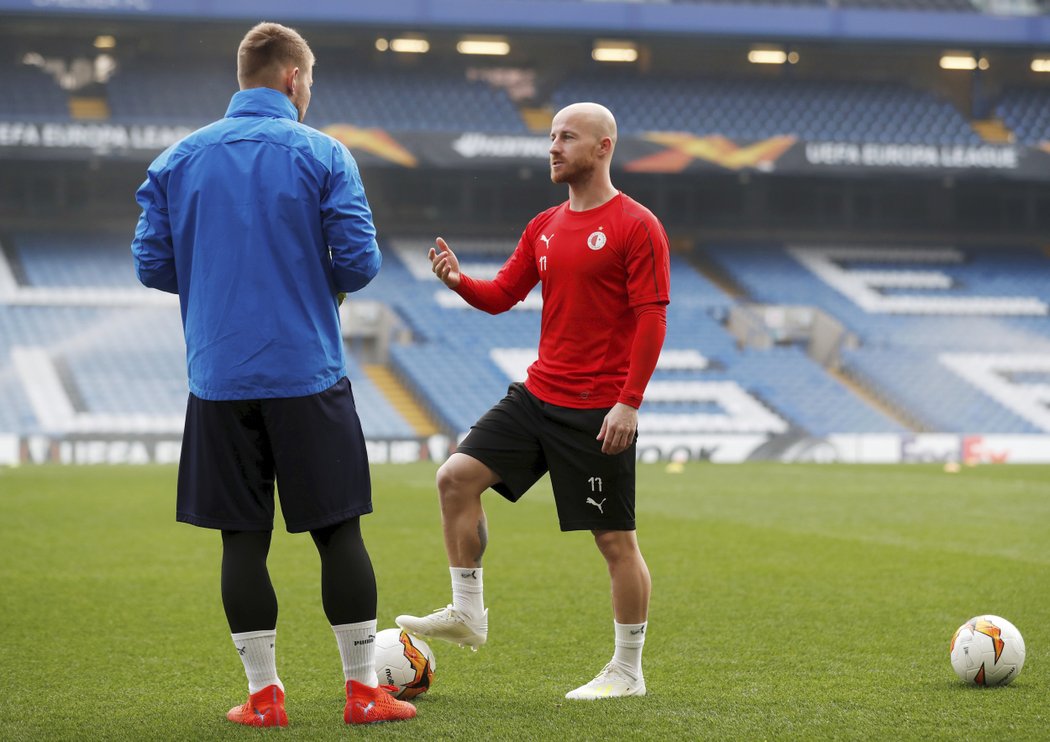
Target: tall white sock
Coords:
[[256, 649], [629, 640], [357, 649], [468, 590]]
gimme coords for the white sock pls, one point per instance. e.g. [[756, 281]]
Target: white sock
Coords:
[[256, 649], [467, 590], [629, 640], [357, 649]]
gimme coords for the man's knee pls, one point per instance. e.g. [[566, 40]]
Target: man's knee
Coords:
[[461, 480], [617, 546]]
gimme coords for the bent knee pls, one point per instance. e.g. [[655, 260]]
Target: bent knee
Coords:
[[462, 476]]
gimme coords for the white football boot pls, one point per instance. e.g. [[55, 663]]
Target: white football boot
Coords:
[[612, 682], [450, 625]]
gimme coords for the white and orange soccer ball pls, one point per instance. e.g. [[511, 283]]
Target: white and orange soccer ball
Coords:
[[987, 650], [404, 662]]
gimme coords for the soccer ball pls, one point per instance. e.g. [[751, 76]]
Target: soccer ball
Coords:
[[404, 662], [987, 650]]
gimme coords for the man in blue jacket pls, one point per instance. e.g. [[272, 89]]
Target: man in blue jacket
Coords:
[[258, 223]]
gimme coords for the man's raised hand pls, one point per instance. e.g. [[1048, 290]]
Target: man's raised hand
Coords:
[[444, 263]]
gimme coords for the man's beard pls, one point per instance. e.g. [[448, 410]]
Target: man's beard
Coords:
[[571, 173]]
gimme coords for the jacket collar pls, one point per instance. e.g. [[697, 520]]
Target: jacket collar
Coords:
[[261, 102]]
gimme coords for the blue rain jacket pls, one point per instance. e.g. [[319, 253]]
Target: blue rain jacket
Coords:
[[257, 222]]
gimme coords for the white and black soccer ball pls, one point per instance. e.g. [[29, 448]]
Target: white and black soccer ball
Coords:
[[987, 650], [405, 662]]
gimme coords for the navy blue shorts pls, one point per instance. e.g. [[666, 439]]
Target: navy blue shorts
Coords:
[[523, 437], [232, 453]]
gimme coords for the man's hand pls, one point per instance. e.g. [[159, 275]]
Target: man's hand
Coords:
[[444, 264], [618, 429]]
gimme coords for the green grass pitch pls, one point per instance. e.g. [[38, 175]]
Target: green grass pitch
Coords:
[[789, 602]]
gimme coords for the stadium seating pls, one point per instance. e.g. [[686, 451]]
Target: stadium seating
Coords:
[[419, 100], [75, 259], [460, 365], [756, 109], [152, 91], [114, 349], [33, 95], [447, 101], [1026, 112], [908, 353], [118, 360]]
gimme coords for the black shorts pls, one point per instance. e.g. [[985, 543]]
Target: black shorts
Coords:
[[523, 437], [233, 451]]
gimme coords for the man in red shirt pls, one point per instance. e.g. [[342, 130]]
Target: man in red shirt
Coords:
[[603, 261]]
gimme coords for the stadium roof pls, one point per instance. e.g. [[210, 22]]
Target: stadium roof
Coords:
[[830, 22]]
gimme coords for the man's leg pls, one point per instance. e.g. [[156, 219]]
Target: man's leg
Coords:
[[348, 593], [461, 480], [250, 603], [631, 586]]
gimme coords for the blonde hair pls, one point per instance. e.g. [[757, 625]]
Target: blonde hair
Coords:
[[268, 49]]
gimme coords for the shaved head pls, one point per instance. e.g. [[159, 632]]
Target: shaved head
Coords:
[[588, 118]]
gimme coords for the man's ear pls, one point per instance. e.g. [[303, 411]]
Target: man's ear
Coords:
[[291, 80]]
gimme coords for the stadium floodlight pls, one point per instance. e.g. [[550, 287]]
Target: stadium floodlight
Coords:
[[769, 56], [105, 41], [959, 61], [490, 45], [610, 50], [409, 45], [1041, 64]]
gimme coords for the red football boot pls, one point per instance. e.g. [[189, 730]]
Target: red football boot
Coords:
[[365, 704], [263, 709]]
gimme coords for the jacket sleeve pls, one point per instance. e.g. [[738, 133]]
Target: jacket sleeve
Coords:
[[348, 226], [152, 247]]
